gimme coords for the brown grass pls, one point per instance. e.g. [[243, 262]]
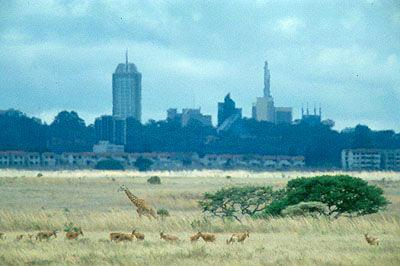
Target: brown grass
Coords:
[[29, 204]]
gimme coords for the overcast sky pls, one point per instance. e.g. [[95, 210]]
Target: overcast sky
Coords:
[[60, 55]]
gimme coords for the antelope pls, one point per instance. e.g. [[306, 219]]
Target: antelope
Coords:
[[125, 237], [73, 235], [207, 237], [238, 237], [139, 236], [19, 237], [372, 240], [30, 236], [195, 237], [169, 238], [46, 235], [115, 236]]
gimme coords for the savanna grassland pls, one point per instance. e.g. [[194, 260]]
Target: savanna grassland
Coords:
[[29, 203]]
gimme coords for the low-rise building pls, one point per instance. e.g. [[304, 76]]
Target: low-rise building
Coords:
[[370, 159], [107, 147], [32, 159], [160, 161], [4, 159], [50, 159]]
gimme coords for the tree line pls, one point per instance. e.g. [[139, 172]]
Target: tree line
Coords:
[[319, 144]]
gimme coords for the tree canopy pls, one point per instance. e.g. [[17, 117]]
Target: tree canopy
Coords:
[[319, 144], [342, 194], [236, 202]]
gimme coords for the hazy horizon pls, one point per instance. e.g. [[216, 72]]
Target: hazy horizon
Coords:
[[60, 55]]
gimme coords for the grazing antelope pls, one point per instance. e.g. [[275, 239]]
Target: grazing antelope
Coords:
[[115, 236], [238, 237], [195, 237], [30, 236], [125, 237], [46, 235], [169, 238], [2, 235], [19, 237], [139, 236], [73, 235], [372, 240], [207, 237]]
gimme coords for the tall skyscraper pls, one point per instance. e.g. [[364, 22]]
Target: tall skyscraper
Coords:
[[127, 91], [263, 108], [267, 78]]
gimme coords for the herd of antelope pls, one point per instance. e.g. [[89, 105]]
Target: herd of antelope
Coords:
[[121, 237]]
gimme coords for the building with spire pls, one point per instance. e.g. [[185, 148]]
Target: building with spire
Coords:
[[127, 91], [267, 78], [264, 108]]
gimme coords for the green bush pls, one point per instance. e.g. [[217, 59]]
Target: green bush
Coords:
[[70, 227], [342, 194], [109, 165], [234, 202], [312, 208], [163, 213], [143, 164], [154, 180]]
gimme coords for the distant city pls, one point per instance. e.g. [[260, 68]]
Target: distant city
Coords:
[[187, 138], [127, 98]]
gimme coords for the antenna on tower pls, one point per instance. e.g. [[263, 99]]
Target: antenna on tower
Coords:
[[126, 60], [307, 109], [320, 110], [315, 109], [302, 110]]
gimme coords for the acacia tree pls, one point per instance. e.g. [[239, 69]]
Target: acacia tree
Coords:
[[235, 202], [342, 194]]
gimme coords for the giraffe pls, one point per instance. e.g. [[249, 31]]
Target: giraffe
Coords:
[[140, 204]]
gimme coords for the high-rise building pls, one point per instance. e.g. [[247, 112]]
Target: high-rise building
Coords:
[[127, 91], [189, 114], [104, 127], [110, 128], [264, 108], [311, 119], [283, 115], [227, 109], [119, 131]]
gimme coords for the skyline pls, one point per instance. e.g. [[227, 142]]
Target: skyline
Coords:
[[347, 59]]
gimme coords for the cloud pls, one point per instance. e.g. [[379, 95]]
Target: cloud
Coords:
[[289, 25], [58, 55]]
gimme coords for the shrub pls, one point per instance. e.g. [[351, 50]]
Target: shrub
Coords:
[[306, 208], [342, 194], [39, 175], [154, 180], [238, 201], [109, 165], [163, 213], [70, 227], [143, 164]]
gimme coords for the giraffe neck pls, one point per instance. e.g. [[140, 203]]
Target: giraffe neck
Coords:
[[132, 197]]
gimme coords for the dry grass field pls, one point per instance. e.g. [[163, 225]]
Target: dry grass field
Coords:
[[90, 199]]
